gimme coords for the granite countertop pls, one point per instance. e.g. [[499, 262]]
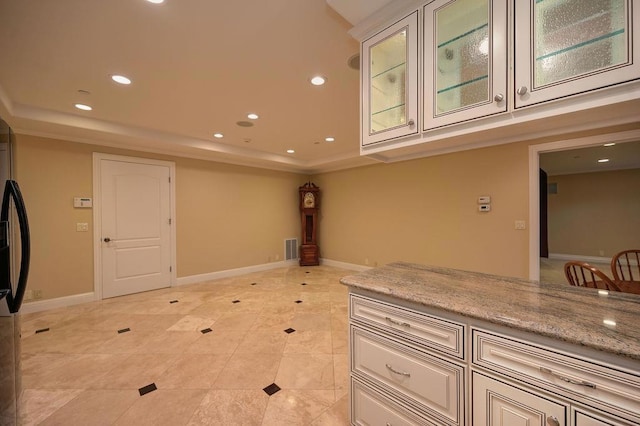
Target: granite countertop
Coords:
[[575, 315]]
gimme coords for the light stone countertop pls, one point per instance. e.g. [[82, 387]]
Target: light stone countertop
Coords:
[[574, 315]]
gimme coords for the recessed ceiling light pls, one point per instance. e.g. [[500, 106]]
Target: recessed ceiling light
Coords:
[[244, 124], [252, 116], [156, 1], [291, 151], [609, 322], [318, 80], [329, 139], [121, 79], [603, 160], [218, 135], [83, 107], [610, 144]]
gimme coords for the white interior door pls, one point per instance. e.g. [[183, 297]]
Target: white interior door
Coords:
[[135, 211]]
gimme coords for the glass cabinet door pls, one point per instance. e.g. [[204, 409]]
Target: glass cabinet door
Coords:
[[465, 60], [390, 82], [574, 46]]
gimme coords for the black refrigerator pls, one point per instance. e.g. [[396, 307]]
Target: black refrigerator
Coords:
[[14, 269]]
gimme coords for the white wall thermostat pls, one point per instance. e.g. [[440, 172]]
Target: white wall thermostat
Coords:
[[82, 203]]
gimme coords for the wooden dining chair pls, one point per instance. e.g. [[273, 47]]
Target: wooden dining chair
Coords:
[[625, 266], [581, 274]]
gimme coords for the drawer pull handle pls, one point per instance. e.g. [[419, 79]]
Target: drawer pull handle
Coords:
[[567, 379], [394, 322], [401, 373], [553, 421]]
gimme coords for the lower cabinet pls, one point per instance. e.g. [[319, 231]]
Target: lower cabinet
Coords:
[[498, 404], [410, 366], [371, 407]]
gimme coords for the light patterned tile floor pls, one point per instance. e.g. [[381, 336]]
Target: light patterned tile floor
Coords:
[[89, 365]]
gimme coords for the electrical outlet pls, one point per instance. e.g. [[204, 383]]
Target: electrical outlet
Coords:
[[37, 294], [28, 295], [82, 227], [521, 224]]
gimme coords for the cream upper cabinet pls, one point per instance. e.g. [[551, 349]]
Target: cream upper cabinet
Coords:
[[566, 47], [390, 82], [465, 60]]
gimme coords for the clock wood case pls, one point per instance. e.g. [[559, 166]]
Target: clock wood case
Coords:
[[309, 206]]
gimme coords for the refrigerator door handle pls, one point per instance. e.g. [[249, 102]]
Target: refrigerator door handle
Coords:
[[12, 190]]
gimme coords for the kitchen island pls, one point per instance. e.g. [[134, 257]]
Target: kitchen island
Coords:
[[432, 345]]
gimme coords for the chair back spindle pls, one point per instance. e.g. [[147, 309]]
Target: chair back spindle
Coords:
[[625, 265], [582, 274]]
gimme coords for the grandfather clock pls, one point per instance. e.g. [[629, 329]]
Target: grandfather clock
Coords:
[[309, 206]]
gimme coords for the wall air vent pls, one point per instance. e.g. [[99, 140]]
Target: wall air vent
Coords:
[[291, 249]]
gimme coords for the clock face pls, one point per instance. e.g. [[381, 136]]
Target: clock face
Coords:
[[309, 200]]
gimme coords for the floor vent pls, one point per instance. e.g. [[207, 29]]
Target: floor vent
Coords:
[[291, 249]]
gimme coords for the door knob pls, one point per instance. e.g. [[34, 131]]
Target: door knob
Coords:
[[499, 97], [107, 239], [521, 90]]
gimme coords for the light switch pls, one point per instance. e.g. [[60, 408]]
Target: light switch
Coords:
[[485, 199], [82, 227]]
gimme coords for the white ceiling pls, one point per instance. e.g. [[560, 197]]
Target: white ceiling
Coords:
[[198, 67], [585, 160]]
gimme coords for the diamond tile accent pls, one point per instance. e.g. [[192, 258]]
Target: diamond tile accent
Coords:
[[206, 330], [289, 330], [254, 283], [303, 284], [146, 389], [298, 301], [173, 301], [271, 389], [42, 330], [124, 330], [236, 301]]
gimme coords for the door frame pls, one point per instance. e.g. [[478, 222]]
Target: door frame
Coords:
[[97, 213], [534, 183]]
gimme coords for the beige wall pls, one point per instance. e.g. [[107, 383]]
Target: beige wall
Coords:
[[426, 211], [227, 216], [595, 214]]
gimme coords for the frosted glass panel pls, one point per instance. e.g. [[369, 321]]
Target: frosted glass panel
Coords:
[[388, 77], [577, 37], [462, 58]]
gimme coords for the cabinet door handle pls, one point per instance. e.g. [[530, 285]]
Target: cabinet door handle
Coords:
[[401, 373], [499, 97], [553, 421], [411, 122], [107, 239], [567, 379], [521, 90], [394, 322]]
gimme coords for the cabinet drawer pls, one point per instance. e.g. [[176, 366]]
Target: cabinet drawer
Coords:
[[575, 377], [428, 383], [499, 404], [372, 408], [440, 335]]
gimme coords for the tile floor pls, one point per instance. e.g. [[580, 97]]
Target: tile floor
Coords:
[[203, 353]]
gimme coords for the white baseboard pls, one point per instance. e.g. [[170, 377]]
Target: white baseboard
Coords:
[[76, 299], [59, 302], [344, 265], [588, 259], [194, 279]]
